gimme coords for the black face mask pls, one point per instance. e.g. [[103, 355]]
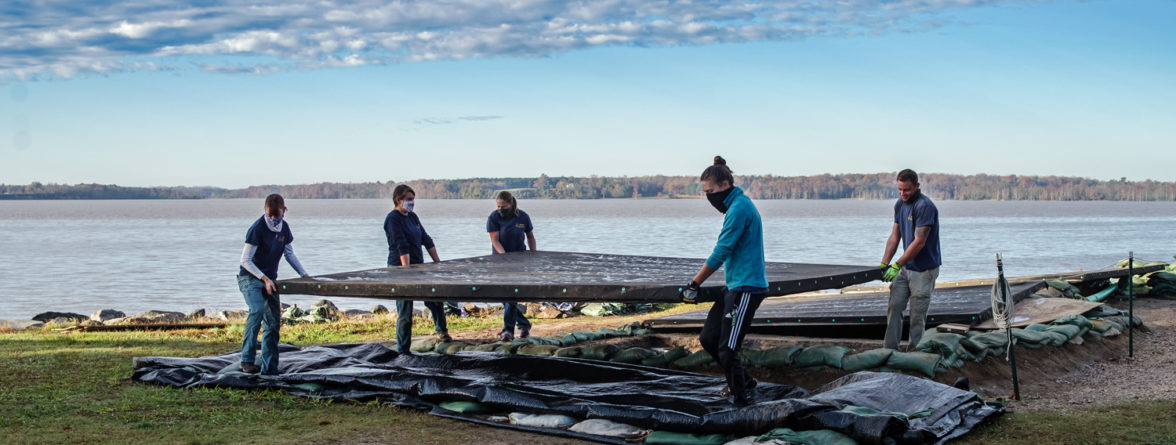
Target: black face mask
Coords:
[[914, 197], [506, 213], [716, 199]]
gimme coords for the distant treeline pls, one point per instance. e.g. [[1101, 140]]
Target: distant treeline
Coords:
[[842, 186]]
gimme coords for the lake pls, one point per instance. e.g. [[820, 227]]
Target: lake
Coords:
[[81, 256]]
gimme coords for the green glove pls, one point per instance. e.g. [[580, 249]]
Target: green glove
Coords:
[[891, 272]]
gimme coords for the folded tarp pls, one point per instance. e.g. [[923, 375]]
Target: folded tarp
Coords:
[[641, 396]]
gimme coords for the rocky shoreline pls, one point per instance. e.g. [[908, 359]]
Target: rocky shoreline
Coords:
[[319, 312]]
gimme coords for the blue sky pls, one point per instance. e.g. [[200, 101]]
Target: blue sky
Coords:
[[216, 93]]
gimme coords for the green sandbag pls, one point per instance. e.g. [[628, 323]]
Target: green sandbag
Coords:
[[978, 341], [830, 356], [1069, 330], [456, 347], [425, 345], [488, 347], [536, 341], [571, 351], [812, 437], [505, 348], [540, 350], [874, 358], [466, 407], [698, 359], [947, 345], [598, 352], [582, 335], [442, 347], [778, 357], [924, 362], [633, 355], [1028, 337], [1069, 290], [568, 340], [666, 358], [672, 438], [604, 309], [610, 333], [1076, 320], [293, 312]]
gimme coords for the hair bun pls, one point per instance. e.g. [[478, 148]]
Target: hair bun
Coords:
[[720, 161]]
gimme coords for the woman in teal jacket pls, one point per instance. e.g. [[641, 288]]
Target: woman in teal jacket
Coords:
[[740, 252]]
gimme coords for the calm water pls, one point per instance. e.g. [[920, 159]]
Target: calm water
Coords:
[[134, 256]]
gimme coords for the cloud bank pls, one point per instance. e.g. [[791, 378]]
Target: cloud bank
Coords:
[[64, 38]]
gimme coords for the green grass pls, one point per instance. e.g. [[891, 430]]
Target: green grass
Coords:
[[74, 387]]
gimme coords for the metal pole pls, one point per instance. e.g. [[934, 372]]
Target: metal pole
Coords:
[[1130, 304], [1009, 331]]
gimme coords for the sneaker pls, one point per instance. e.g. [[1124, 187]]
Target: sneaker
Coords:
[[524, 332], [250, 368], [444, 336], [750, 385], [505, 336]]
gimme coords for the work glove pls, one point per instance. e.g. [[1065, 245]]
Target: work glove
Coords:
[[689, 294], [891, 272]]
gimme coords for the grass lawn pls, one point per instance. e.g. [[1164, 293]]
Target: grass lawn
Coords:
[[74, 387]]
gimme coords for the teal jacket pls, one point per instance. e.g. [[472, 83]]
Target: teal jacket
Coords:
[[740, 249]]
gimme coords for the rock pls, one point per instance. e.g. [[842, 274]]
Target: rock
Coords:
[[157, 317], [331, 306], [64, 320], [106, 314], [232, 315], [357, 313], [198, 313], [483, 310], [19, 325], [379, 309], [114, 321], [45, 317], [548, 311]]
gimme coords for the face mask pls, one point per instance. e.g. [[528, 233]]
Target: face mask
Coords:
[[506, 213], [274, 223], [408, 205], [716, 199], [914, 197]]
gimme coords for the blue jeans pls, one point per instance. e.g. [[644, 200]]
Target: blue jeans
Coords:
[[404, 322], [264, 310], [513, 316]]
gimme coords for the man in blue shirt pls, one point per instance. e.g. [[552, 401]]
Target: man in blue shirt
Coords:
[[916, 223]]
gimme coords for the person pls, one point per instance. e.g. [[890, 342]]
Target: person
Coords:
[[740, 252], [511, 231], [266, 242], [912, 275], [406, 237]]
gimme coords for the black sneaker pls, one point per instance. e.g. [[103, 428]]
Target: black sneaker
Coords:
[[524, 332], [250, 368], [445, 338]]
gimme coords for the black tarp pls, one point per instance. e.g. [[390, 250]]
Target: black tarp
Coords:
[[647, 397]]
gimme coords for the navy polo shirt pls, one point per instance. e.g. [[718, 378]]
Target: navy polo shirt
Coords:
[[405, 235], [919, 214], [270, 247], [512, 233]]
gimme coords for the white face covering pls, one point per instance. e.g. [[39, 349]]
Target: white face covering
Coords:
[[408, 205], [274, 223]]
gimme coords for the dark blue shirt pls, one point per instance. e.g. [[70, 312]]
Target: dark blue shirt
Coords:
[[405, 235], [270, 247], [512, 233], [908, 217]]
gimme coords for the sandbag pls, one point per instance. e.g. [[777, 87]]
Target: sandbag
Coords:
[[1029, 337], [488, 347], [698, 359], [542, 420], [425, 344], [924, 362], [874, 358], [540, 350], [633, 355], [1069, 330], [444, 346], [672, 438], [1076, 320], [602, 427], [667, 357], [536, 341], [947, 345], [572, 351], [830, 356], [456, 347], [814, 437], [466, 407], [778, 357], [583, 336], [598, 352]]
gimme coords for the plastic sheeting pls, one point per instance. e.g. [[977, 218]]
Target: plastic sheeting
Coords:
[[641, 396]]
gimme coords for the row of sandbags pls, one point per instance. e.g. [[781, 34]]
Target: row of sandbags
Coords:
[[629, 433]]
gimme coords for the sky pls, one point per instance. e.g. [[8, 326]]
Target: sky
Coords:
[[232, 93]]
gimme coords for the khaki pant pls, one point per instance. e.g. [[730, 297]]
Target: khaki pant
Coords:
[[915, 288]]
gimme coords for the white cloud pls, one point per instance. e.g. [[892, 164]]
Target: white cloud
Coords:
[[97, 37]]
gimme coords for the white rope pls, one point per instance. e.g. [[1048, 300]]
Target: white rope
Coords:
[[1002, 305]]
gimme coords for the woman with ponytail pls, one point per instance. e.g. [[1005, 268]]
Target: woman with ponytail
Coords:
[[740, 252]]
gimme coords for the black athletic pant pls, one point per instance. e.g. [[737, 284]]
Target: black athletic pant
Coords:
[[722, 335]]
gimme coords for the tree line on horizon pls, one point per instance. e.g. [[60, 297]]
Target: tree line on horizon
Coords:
[[826, 186]]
